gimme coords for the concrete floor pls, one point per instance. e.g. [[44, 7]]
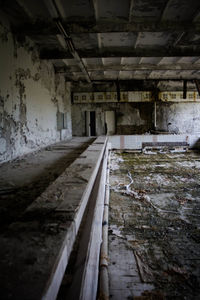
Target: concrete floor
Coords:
[[154, 226], [24, 179]]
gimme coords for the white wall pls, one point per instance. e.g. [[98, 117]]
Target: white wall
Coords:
[[135, 141], [179, 117], [31, 94]]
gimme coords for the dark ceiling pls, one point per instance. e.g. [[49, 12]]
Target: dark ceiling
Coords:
[[113, 39]]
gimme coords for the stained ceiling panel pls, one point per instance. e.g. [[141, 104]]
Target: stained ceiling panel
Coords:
[[76, 10], [191, 38], [110, 10], [85, 40], [92, 61], [150, 60], [111, 74], [130, 60], [118, 39], [153, 38], [180, 10], [187, 60], [126, 75], [112, 38], [169, 60], [146, 9], [111, 61], [156, 74]]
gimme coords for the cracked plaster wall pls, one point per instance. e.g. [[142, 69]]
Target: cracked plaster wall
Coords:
[[31, 95], [179, 117], [138, 118]]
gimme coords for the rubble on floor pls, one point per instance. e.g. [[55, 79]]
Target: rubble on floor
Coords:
[[154, 231]]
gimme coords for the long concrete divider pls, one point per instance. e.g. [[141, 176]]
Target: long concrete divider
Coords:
[[36, 249]]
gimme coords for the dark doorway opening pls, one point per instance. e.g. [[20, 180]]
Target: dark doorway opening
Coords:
[[93, 123]]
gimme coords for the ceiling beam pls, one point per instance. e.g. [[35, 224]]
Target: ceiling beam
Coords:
[[52, 8], [131, 10], [178, 39], [141, 66], [196, 16], [134, 76], [64, 37], [162, 15], [95, 8], [42, 27], [69, 45], [121, 52], [24, 6]]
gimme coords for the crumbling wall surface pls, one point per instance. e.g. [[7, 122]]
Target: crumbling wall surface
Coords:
[[134, 118], [31, 95], [179, 117], [131, 118]]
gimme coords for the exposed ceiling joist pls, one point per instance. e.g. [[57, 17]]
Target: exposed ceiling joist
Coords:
[[69, 44], [64, 38], [178, 39], [122, 52], [165, 6], [43, 27], [125, 40], [133, 67], [95, 7], [130, 10]]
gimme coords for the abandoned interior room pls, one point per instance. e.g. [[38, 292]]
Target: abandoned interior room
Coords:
[[99, 149]]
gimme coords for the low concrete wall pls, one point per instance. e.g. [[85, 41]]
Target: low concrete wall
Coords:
[[135, 141], [61, 205]]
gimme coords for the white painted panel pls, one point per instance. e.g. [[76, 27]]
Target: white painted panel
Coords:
[[110, 121]]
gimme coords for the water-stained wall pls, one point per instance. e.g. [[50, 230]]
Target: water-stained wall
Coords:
[[31, 96], [178, 117]]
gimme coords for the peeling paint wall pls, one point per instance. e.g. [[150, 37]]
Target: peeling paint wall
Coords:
[[134, 118], [179, 117], [138, 118], [131, 118], [31, 95]]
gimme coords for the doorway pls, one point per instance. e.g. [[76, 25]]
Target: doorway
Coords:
[[90, 123], [110, 122]]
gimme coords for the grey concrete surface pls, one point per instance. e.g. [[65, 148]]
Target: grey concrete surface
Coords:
[[36, 247]]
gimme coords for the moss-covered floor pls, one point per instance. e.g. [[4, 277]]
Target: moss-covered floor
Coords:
[[154, 233]]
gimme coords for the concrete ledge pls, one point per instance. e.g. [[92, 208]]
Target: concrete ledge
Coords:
[[135, 141], [91, 269], [34, 251]]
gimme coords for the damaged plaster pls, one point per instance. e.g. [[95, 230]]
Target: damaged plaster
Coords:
[[131, 118], [178, 117], [31, 95]]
